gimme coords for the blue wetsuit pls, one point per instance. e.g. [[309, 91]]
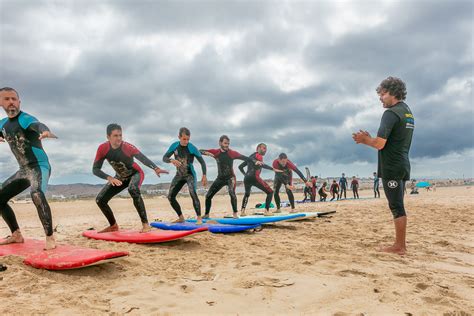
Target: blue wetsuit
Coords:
[[185, 174], [22, 134]]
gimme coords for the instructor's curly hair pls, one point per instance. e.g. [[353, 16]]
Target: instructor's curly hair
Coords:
[[394, 86]]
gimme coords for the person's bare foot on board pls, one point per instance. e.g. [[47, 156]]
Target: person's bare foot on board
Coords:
[[109, 229], [179, 220], [199, 220], [50, 243], [146, 228], [16, 237]]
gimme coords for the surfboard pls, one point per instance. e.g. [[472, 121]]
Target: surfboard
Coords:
[[307, 215], [63, 257], [135, 237], [252, 219], [213, 228]]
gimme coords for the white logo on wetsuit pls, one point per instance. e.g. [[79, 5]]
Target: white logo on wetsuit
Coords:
[[392, 184]]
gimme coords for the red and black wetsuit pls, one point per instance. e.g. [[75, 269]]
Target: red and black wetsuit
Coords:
[[225, 175], [127, 171], [355, 188], [285, 178], [252, 178]]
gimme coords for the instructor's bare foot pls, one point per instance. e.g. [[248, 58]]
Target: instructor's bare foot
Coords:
[[50, 243], [268, 213], [242, 213], [394, 249], [146, 228], [205, 216], [16, 237], [109, 229], [235, 215], [278, 210]]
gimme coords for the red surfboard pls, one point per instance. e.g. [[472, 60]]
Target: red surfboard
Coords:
[[63, 257], [133, 236]]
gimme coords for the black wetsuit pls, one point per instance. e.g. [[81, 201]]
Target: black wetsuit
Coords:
[[343, 186], [334, 191], [397, 126], [322, 194], [127, 171], [285, 178], [184, 174], [225, 175], [376, 187], [22, 133], [252, 178]]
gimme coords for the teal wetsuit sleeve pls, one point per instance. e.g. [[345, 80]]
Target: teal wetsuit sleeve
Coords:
[[169, 152]]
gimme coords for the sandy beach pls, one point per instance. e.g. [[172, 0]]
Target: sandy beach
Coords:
[[324, 266]]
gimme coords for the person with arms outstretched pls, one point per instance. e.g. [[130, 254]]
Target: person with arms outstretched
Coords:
[[128, 174], [225, 172], [184, 153], [24, 134], [285, 178]]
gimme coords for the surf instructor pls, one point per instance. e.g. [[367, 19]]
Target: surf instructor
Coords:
[[393, 143]]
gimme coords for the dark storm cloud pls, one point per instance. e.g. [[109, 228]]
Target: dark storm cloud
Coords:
[[154, 66]]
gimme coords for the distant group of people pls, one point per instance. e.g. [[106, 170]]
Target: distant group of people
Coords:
[[337, 189]]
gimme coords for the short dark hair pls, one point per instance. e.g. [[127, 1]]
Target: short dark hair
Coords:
[[394, 86], [112, 127], [261, 144], [223, 137], [10, 89], [184, 131], [282, 156]]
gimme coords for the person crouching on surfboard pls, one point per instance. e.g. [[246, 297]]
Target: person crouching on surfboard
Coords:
[[24, 133], [129, 175], [285, 178], [184, 153]]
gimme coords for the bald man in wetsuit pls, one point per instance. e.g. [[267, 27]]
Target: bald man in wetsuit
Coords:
[[24, 133]]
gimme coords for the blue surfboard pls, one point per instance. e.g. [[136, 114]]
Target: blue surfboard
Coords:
[[213, 228], [252, 220]]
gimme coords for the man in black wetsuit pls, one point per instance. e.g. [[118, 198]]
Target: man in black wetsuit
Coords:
[[376, 185], [184, 153], [24, 133], [252, 178], [343, 185], [129, 175], [393, 143], [286, 178], [225, 172]]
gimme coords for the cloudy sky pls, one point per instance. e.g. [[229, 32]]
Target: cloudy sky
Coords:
[[298, 75]]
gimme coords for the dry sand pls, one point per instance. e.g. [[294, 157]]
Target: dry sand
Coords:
[[322, 266]]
